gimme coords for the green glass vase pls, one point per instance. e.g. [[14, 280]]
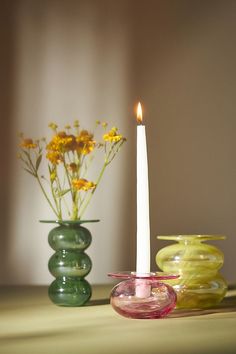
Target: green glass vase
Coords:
[[69, 264], [200, 284]]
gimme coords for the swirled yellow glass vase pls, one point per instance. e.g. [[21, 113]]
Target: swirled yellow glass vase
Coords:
[[200, 285]]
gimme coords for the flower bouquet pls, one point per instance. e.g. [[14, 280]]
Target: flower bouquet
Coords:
[[68, 190], [69, 154]]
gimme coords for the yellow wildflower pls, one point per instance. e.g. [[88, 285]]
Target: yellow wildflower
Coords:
[[73, 167], [83, 184], [76, 124], [54, 157], [104, 124], [85, 142], [62, 143], [53, 126], [112, 136], [53, 176], [68, 127], [28, 144]]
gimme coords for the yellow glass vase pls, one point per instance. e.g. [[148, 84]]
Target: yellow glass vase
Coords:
[[200, 285]]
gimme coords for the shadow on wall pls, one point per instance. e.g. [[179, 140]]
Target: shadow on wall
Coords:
[[6, 113], [72, 61], [178, 57]]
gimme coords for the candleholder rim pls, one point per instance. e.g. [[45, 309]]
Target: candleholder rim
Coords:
[[135, 275]]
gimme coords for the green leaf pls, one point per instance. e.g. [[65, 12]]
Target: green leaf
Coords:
[[61, 193], [38, 161], [26, 154], [33, 174]]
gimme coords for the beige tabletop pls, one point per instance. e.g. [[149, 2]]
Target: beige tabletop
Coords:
[[31, 324]]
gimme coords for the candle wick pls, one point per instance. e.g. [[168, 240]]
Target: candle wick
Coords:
[[139, 121]]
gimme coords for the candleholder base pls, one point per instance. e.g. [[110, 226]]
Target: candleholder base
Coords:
[[143, 296]]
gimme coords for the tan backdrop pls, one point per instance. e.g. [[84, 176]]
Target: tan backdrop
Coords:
[[63, 60]]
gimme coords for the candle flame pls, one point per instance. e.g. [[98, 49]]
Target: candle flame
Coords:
[[139, 114]]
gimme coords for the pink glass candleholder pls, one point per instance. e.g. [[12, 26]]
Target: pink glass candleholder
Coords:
[[143, 296]]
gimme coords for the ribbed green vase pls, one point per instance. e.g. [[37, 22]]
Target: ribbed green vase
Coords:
[[70, 264]]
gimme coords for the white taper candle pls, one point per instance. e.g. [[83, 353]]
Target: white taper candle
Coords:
[[143, 219]]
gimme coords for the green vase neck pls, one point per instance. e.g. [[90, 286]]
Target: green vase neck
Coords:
[[190, 239], [68, 222]]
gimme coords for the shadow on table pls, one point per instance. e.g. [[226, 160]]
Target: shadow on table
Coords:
[[227, 305], [98, 302]]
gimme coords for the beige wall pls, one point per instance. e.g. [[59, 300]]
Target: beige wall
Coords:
[[92, 60]]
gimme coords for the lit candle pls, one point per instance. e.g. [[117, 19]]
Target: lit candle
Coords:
[[143, 220]]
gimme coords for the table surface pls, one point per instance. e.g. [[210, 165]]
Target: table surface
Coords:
[[30, 323]]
